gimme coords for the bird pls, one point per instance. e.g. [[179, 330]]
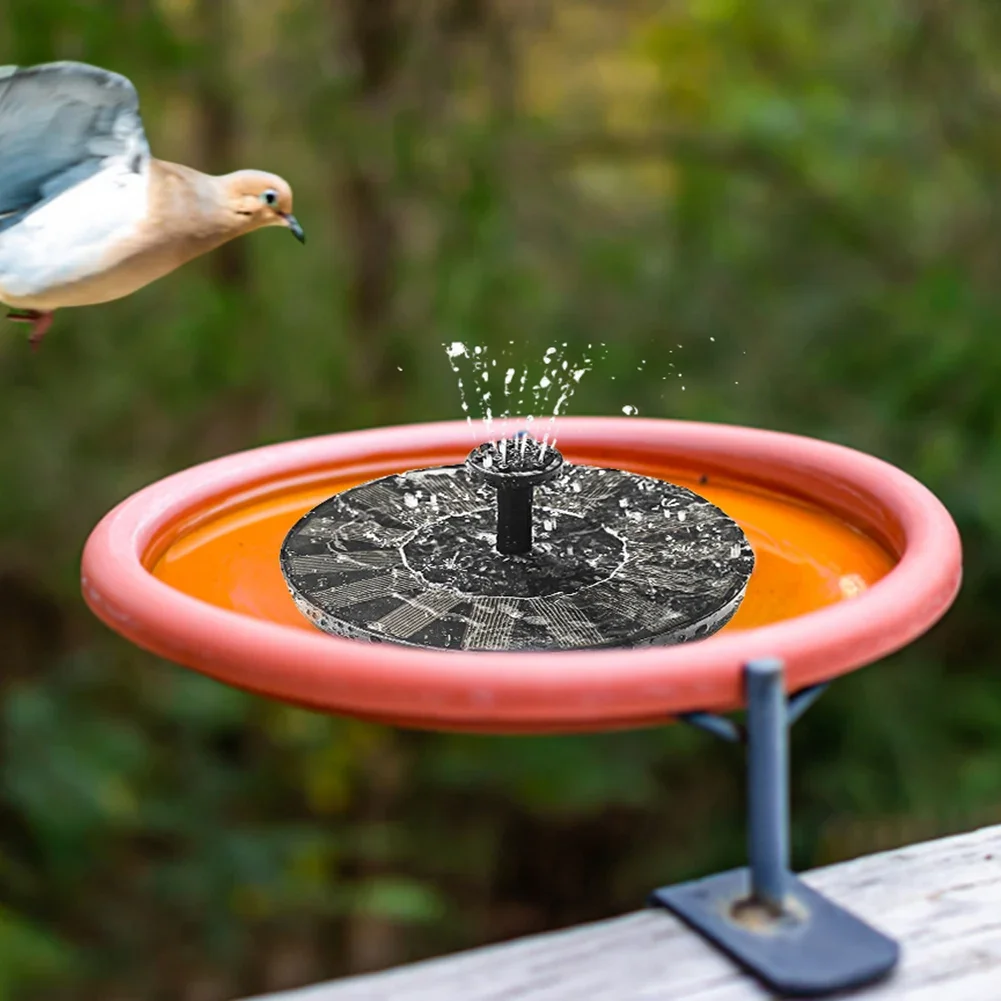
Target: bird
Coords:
[[87, 214]]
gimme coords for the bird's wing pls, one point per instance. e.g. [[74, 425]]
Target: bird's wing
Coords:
[[61, 123]]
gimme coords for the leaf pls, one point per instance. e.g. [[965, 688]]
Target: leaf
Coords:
[[30, 957], [398, 899]]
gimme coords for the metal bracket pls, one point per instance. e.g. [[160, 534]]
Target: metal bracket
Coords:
[[787, 935]]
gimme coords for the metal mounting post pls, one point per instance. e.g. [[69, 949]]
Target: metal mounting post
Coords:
[[787, 935]]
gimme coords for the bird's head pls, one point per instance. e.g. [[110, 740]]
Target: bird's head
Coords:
[[261, 199]]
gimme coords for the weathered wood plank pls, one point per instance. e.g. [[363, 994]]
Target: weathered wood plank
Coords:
[[941, 900]]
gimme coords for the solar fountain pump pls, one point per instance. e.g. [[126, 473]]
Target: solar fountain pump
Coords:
[[516, 549]]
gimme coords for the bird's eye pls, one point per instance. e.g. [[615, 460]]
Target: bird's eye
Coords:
[[270, 197]]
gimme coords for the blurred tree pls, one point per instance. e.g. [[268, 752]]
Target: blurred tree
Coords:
[[375, 41], [218, 122]]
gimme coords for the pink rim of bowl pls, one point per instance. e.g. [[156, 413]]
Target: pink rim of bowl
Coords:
[[534, 692]]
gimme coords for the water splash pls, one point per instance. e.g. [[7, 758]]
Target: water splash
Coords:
[[498, 388], [454, 351]]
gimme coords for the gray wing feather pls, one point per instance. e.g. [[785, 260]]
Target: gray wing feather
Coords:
[[60, 123]]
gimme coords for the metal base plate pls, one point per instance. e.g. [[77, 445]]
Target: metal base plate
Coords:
[[815, 948]]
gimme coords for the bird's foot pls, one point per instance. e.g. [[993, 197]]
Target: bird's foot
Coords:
[[40, 322]]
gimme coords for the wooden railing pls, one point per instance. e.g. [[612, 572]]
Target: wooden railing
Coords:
[[941, 900]]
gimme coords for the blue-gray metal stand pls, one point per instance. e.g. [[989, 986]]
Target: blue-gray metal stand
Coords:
[[789, 936]]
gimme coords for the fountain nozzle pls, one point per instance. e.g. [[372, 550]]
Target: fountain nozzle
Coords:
[[515, 466]]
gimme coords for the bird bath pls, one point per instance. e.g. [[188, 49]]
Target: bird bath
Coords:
[[852, 559]]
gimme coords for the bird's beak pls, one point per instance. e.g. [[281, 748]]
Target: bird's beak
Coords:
[[293, 225]]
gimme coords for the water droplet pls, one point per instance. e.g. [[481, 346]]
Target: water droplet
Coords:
[[682, 516], [455, 349], [410, 500], [629, 410]]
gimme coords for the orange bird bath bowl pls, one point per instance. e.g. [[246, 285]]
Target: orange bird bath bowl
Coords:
[[852, 559]]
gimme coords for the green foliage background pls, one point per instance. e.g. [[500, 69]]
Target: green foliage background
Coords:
[[799, 202]]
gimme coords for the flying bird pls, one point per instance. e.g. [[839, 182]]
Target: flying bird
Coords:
[[87, 214]]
